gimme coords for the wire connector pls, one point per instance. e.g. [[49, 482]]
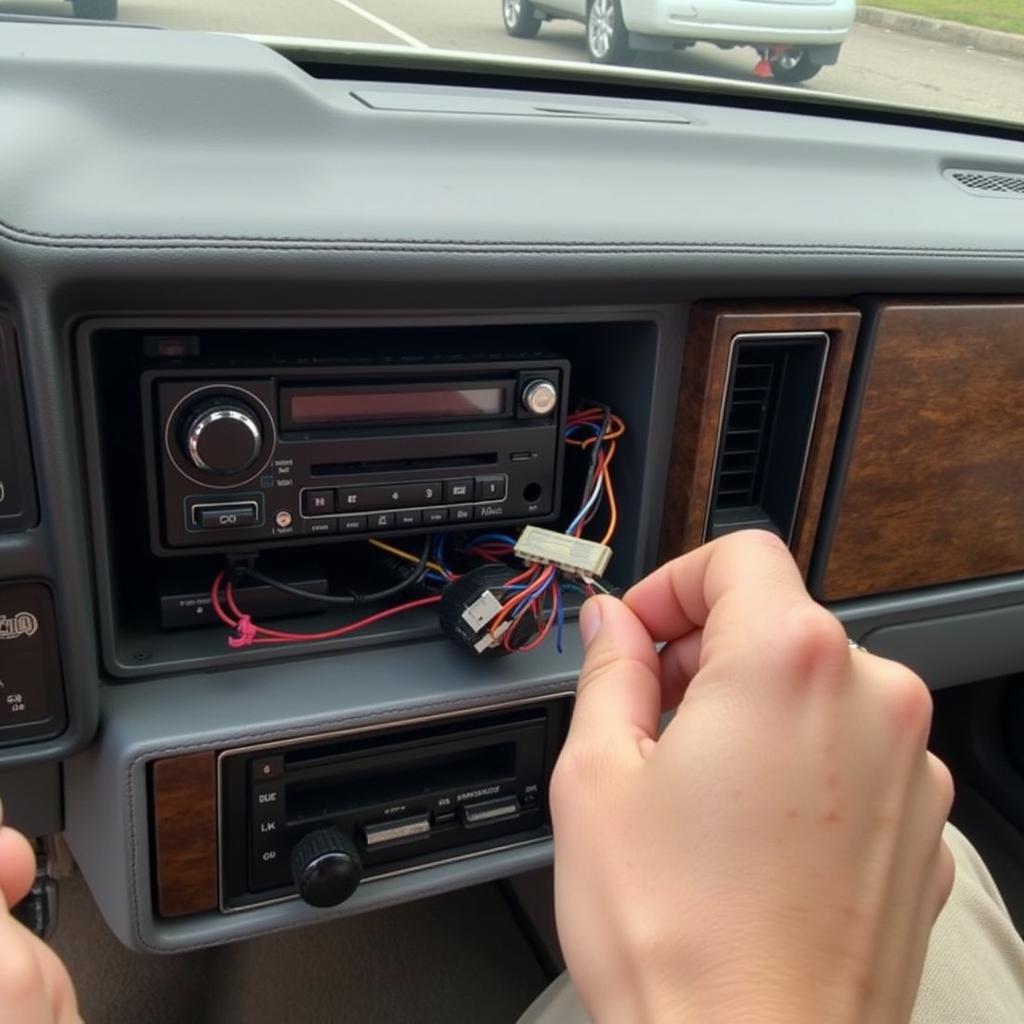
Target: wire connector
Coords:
[[482, 611], [489, 640], [570, 554]]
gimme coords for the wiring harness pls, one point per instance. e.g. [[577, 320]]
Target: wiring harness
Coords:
[[491, 602]]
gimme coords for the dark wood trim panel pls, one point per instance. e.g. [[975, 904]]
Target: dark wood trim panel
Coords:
[[699, 412], [185, 834], [934, 488]]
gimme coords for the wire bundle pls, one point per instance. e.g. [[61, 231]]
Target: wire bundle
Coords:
[[532, 600], [537, 592]]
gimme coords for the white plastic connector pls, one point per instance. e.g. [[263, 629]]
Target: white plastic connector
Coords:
[[570, 554], [481, 611], [489, 640]]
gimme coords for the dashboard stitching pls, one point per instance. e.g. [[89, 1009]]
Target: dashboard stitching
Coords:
[[456, 246], [407, 711]]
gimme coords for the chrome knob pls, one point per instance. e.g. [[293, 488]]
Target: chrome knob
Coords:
[[223, 436], [540, 397]]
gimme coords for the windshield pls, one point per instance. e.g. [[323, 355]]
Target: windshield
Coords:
[[964, 57]]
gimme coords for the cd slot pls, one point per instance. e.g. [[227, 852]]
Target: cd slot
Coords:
[[364, 467]]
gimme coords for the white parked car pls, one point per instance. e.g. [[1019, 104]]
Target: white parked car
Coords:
[[795, 37]]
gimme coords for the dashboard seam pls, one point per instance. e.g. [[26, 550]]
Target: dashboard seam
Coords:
[[389, 715], [455, 246]]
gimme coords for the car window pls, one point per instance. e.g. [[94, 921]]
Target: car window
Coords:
[[964, 57]]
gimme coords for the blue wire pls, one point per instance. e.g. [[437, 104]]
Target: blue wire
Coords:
[[530, 598], [559, 618], [501, 538]]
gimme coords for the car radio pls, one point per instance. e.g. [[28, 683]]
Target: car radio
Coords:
[[306, 453], [313, 818]]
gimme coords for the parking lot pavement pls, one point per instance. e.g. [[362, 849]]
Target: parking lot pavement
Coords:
[[874, 64]]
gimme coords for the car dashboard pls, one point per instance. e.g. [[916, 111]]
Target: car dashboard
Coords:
[[808, 321]]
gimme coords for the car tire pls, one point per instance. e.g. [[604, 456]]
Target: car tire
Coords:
[[520, 17], [607, 35], [95, 10], [793, 66]]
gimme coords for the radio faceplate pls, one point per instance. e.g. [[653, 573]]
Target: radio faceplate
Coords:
[[405, 798], [308, 454]]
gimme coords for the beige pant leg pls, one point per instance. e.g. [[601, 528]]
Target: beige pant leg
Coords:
[[973, 974], [974, 971]]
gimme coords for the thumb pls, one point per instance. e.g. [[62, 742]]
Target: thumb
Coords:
[[618, 700]]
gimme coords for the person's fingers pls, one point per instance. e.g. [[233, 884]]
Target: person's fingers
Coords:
[[17, 866], [618, 700], [759, 625], [680, 661], [678, 598], [60, 992], [25, 996]]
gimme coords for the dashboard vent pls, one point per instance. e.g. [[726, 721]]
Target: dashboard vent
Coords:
[[768, 413], [989, 183]]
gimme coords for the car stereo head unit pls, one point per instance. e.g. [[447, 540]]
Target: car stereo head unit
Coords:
[[307, 453]]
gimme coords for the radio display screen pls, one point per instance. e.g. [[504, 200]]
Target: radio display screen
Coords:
[[310, 407]]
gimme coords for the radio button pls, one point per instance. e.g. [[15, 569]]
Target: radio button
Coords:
[[427, 493], [458, 490], [433, 516], [490, 511], [483, 812], [460, 514], [382, 521], [491, 488], [318, 503], [399, 830], [268, 867], [263, 768], [351, 499], [268, 802], [321, 527], [225, 517], [406, 519], [352, 524]]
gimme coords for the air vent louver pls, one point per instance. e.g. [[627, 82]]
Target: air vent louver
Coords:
[[767, 419], [989, 183]]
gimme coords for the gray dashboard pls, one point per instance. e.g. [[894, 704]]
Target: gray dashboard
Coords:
[[156, 173]]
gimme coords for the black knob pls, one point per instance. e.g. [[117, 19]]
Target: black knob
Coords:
[[222, 436], [326, 867]]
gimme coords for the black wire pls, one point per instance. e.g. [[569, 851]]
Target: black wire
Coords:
[[596, 453], [343, 599]]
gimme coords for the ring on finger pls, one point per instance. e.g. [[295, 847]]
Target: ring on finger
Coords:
[[854, 646]]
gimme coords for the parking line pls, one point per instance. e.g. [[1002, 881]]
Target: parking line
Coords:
[[386, 25]]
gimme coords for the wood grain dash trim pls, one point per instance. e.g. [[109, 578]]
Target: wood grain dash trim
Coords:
[[185, 833], [705, 370], [934, 488]]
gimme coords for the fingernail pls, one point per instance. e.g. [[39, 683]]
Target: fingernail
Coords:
[[590, 621]]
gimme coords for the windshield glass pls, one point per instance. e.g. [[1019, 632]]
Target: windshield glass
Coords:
[[957, 56]]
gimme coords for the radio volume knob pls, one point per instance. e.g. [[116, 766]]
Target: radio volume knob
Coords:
[[326, 867], [223, 436], [540, 397]]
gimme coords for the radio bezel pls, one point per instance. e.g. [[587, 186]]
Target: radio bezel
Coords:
[[557, 709], [170, 486]]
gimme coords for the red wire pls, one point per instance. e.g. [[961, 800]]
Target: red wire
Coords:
[[269, 636]]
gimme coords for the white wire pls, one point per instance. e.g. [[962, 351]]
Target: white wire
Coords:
[[594, 497]]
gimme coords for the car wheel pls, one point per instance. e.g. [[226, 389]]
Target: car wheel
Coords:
[[607, 37], [793, 66], [520, 18], [95, 10]]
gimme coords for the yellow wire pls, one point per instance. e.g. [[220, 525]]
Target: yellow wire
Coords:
[[398, 552]]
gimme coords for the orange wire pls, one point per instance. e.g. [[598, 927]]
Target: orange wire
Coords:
[[613, 508]]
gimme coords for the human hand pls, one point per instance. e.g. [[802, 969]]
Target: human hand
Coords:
[[34, 984], [776, 855]]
